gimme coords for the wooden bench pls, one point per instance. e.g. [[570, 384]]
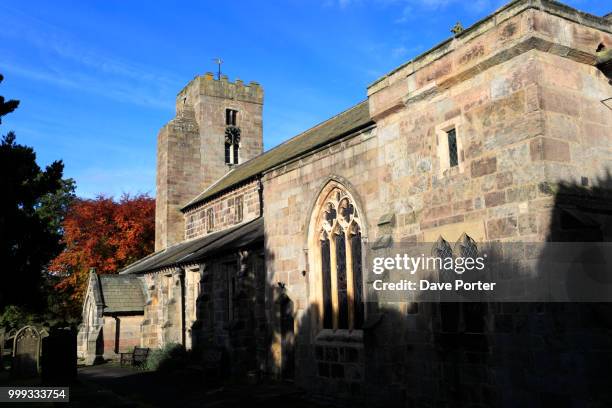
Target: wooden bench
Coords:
[[136, 358]]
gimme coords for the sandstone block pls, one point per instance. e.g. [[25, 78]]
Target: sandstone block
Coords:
[[502, 227], [544, 148], [495, 198], [484, 166]]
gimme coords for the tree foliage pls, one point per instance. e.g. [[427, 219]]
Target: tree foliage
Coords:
[[6, 106], [104, 234], [29, 237]]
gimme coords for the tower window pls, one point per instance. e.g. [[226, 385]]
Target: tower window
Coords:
[[228, 153], [235, 153], [452, 147], [230, 117]]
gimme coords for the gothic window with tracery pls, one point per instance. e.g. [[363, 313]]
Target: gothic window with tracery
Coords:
[[340, 251], [466, 247]]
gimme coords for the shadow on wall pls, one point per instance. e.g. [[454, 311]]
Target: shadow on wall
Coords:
[[463, 354], [230, 330]]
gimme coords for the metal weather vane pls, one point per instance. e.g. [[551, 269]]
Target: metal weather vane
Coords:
[[218, 61]]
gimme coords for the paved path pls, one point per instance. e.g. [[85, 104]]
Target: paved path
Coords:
[[185, 389]]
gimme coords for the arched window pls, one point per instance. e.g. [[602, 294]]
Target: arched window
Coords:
[[337, 254]]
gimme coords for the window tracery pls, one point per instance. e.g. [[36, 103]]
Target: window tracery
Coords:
[[340, 251]]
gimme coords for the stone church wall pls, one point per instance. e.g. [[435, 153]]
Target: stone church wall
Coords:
[[525, 101], [225, 211], [230, 313], [121, 335], [162, 318]]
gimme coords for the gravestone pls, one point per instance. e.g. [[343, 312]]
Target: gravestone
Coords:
[[59, 358], [26, 352]]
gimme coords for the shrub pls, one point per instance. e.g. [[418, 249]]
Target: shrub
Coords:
[[14, 317], [167, 358]]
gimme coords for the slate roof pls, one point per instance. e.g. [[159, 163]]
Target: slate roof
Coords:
[[349, 121], [121, 293], [195, 250]]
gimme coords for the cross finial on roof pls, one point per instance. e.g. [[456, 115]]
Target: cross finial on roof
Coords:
[[457, 29]]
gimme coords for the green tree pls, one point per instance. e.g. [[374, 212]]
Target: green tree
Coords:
[[30, 218]]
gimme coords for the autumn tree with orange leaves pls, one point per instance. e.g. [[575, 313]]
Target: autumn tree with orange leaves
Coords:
[[104, 234]]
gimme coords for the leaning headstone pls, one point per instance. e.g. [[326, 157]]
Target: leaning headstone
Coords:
[[26, 352]]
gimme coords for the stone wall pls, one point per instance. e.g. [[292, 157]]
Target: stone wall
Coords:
[[121, 335], [230, 312], [162, 322], [524, 98], [224, 211], [224, 307], [179, 175]]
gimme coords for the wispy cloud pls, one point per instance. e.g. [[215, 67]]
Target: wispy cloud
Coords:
[[116, 90], [408, 8], [68, 63]]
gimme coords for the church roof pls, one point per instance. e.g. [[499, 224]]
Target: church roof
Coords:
[[195, 250], [349, 121], [121, 293]]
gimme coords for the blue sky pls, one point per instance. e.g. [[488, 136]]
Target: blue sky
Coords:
[[97, 79]]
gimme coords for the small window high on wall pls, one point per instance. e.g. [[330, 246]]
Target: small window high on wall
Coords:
[[238, 209], [211, 219], [449, 143], [453, 155]]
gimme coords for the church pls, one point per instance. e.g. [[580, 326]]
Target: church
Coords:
[[502, 133]]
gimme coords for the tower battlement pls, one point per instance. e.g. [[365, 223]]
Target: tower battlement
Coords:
[[208, 85]]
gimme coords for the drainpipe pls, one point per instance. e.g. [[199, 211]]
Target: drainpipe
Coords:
[[261, 198], [181, 276]]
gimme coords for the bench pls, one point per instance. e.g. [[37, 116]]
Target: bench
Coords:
[[136, 358]]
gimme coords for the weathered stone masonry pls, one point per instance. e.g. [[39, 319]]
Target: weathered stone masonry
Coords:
[[525, 100], [225, 210], [278, 290], [190, 153]]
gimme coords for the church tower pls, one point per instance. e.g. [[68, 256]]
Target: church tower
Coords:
[[218, 125]]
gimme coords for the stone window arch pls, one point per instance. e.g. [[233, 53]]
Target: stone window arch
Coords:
[[466, 247], [336, 249]]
